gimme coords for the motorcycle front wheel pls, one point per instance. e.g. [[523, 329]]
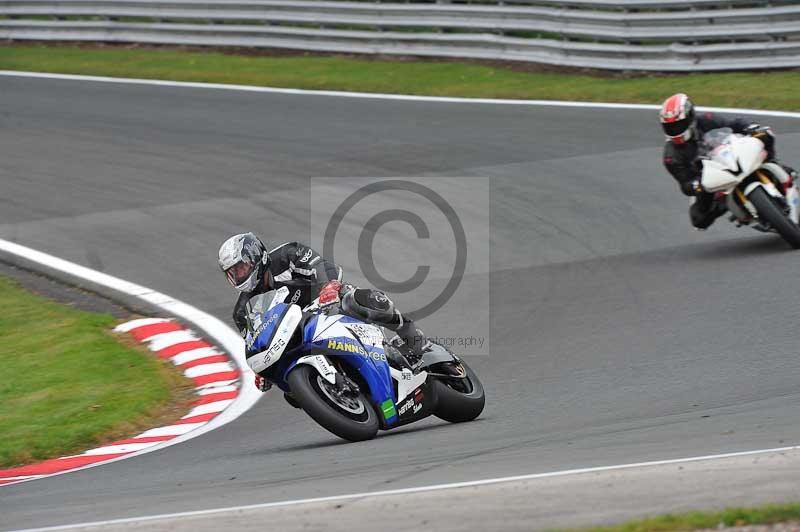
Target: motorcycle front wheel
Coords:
[[770, 213], [351, 417]]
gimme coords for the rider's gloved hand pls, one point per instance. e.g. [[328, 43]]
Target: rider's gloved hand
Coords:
[[757, 129], [262, 384], [329, 293], [765, 135], [696, 187]]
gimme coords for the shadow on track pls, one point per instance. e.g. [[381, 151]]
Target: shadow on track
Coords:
[[766, 244]]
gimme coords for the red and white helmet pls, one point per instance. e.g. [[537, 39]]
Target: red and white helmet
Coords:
[[677, 118]]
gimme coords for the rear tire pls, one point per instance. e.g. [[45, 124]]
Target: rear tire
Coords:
[[359, 423], [770, 213], [459, 400]]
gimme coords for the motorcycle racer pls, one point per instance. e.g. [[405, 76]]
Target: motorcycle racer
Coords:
[[684, 132], [253, 270]]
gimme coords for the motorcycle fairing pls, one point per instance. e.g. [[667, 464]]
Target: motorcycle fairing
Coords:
[[723, 169], [330, 335], [271, 336]]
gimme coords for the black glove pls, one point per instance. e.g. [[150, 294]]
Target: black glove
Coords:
[[754, 129], [262, 384], [693, 188], [765, 135]]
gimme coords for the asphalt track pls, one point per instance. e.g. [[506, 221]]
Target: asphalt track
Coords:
[[617, 333]]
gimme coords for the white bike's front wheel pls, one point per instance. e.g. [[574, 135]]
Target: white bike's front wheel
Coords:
[[772, 214]]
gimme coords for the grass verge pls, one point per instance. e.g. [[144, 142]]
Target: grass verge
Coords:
[[67, 383], [763, 90], [731, 517]]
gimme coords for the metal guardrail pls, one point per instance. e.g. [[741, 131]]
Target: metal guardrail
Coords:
[[664, 35]]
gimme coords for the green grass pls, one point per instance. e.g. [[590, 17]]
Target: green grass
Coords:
[[700, 520], [766, 90], [67, 383]]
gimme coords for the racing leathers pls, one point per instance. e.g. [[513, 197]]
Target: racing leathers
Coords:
[[683, 162], [295, 261]]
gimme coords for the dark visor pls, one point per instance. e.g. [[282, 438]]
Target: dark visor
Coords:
[[673, 129]]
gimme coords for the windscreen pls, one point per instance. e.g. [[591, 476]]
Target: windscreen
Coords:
[[716, 138], [259, 304]]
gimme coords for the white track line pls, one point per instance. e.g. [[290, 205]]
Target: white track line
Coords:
[[404, 491], [379, 96], [221, 334]]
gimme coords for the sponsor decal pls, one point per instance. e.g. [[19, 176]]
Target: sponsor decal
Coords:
[[324, 366], [352, 347], [414, 404], [368, 334], [276, 348], [380, 297], [405, 406], [307, 255], [296, 296], [387, 407], [261, 328]]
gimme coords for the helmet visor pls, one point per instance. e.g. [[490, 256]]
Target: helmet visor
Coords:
[[676, 128], [239, 273]]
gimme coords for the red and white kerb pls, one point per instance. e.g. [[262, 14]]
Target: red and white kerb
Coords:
[[214, 374]]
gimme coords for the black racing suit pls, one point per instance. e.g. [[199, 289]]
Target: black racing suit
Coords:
[[293, 261], [288, 262], [683, 162]]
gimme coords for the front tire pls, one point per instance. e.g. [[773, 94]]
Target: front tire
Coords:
[[459, 399], [352, 418], [770, 213]]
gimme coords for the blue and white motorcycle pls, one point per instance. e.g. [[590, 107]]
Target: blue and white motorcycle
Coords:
[[346, 375]]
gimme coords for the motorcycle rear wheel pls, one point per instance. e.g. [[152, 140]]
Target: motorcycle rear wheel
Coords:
[[350, 418], [459, 399], [772, 214]]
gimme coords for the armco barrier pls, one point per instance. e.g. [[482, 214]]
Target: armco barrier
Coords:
[[665, 35]]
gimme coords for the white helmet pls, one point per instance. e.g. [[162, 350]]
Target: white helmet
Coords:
[[244, 259]]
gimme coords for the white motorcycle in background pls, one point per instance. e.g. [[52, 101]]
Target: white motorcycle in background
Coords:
[[757, 193]]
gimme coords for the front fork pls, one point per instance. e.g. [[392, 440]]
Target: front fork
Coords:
[[780, 187]]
